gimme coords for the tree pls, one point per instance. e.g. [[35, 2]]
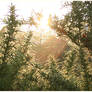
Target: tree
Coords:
[[8, 48], [77, 26], [9, 34], [88, 5]]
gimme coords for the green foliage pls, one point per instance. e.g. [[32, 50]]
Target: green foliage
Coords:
[[40, 78], [7, 49], [56, 80], [20, 72], [77, 24], [11, 58], [9, 35]]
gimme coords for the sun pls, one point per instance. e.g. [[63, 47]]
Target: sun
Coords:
[[43, 25], [43, 22], [43, 28]]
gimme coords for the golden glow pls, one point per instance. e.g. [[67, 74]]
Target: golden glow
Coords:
[[43, 25], [44, 22], [24, 9], [44, 28]]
